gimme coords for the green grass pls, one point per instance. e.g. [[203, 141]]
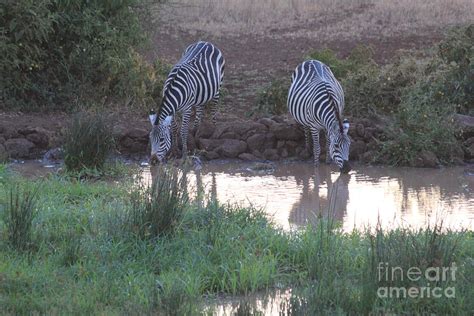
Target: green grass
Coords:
[[85, 259]]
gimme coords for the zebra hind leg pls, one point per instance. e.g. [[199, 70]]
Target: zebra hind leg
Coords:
[[214, 108], [307, 138], [316, 147]]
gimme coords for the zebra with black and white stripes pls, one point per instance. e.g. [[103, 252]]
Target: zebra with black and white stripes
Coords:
[[193, 82], [316, 101]]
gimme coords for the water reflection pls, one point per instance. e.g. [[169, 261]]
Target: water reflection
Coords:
[[296, 194], [272, 303]]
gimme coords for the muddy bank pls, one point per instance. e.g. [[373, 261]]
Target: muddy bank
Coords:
[[275, 138]]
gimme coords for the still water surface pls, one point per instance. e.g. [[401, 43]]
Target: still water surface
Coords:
[[294, 194]]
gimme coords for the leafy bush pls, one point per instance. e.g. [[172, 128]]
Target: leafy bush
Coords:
[[379, 89], [272, 98], [417, 94], [457, 51], [55, 51], [360, 56], [157, 209], [18, 215], [87, 141]]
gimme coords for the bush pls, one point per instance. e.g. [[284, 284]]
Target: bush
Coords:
[[87, 141], [156, 210], [55, 51], [360, 56], [18, 215], [272, 99]]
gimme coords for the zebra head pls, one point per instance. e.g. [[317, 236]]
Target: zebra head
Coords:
[[160, 138], [339, 143]]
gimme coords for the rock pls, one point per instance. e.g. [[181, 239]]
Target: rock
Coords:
[[231, 148], [219, 130], [247, 157], [41, 140], [137, 133], [286, 132], [242, 128], [291, 147], [210, 155], [357, 149], [53, 155], [303, 153], [469, 151], [230, 135], [266, 121], [270, 141], [205, 130], [271, 154], [257, 154], [256, 141], [465, 124], [31, 130], [3, 153], [278, 119], [133, 145], [18, 147], [37, 135], [426, 159], [209, 144]]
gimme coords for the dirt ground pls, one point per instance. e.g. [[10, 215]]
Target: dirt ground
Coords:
[[253, 60]]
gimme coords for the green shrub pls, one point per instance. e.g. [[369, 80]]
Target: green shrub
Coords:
[[87, 141], [359, 57], [18, 215], [379, 89], [457, 51], [55, 51], [272, 98], [156, 210]]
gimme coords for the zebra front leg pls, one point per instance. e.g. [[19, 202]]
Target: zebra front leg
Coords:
[[316, 147], [174, 138], [328, 154], [214, 108], [184, 132]]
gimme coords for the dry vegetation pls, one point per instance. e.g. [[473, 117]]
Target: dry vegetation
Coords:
[[315, 18]]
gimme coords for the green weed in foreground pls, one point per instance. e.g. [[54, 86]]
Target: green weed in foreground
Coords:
[[85, 262], [18, 214], [87, 142]]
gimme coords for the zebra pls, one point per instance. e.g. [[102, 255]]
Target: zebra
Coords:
[[316, 101], [193, 82]]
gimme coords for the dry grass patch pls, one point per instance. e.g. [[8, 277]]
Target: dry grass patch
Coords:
[[322, 19]]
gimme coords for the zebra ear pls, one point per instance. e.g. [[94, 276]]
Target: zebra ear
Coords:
[[152, 116], [167, 121], [345, 126]]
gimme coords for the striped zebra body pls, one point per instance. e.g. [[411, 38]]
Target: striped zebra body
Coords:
[[192, 83], [316, 101]]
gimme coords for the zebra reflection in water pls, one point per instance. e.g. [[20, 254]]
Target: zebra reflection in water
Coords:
[[319, 201]]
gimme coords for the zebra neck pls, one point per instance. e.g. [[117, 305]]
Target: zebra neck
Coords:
[[333, 127], [164, 113]]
